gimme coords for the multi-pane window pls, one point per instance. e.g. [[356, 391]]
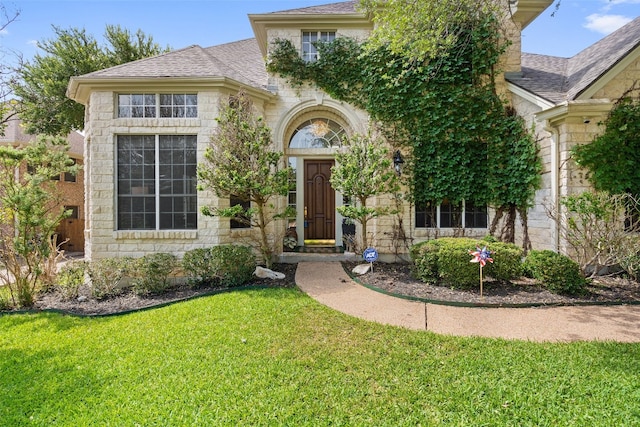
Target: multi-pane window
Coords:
[[70, 177], [450, 215], [157, 182], [163, 105], [310, 40], [178, 105], [136, 105]]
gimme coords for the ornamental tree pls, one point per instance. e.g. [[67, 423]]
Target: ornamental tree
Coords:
[[240, 162], [363, 170], [29, 213], [42, 83]]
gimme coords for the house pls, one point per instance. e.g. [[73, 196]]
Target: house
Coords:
[[70, 187], [148, 123]]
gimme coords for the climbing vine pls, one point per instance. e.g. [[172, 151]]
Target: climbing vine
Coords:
[[612, 158], [464, 143]]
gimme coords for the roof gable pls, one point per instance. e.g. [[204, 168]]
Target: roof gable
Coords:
[[566, 79]]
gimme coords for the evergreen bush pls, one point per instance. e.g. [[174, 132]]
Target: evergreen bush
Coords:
[[151, 275], [556, 272], [226, 265], [447, 260], [106, 276]]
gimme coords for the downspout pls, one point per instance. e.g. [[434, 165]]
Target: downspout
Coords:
[[555, 182]]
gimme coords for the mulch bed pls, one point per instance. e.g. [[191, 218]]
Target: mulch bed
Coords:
[[394, 279], [397, 279]]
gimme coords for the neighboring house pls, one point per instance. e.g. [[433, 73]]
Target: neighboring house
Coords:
[[148, 123], [71, 187]]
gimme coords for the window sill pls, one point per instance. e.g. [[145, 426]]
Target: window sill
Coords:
[[155, 234]]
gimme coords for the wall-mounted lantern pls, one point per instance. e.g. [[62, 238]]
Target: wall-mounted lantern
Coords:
[[397, 162]]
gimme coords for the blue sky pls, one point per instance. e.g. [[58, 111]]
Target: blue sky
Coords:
[[179, 23]]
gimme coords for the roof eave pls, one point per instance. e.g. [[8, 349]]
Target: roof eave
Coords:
[[80, 88], [525, 11], [576, 112]]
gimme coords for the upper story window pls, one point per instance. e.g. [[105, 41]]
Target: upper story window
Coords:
[[164, 105], [309, 40], [450, 215]]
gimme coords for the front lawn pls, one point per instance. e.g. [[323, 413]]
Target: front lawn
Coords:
[[277, 357]]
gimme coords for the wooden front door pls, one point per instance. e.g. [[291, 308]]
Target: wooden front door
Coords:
[[319, 200]]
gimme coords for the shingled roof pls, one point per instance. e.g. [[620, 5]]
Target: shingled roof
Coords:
[[564, 79], [323, 9], [240, 61]]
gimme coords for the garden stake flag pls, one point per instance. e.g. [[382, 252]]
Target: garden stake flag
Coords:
[[481, 256]]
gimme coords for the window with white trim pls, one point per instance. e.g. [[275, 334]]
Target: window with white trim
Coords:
[[166, 105], [309, 40], [156, 184], [450, 215]]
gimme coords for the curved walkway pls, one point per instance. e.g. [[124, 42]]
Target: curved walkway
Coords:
[[329, 284]]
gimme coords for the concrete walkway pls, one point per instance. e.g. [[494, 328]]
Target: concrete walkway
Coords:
[[329, 284]]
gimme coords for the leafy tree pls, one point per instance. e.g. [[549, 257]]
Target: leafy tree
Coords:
[[612, 158], [240, 162], [7, 16], [29, 212], [42, 83], [363, 170]]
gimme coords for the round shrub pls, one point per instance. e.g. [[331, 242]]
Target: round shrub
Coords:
[[233, 264], [226, 265], [447, 260], [151, 275], [557, 272], [199, 267], [106, 275]]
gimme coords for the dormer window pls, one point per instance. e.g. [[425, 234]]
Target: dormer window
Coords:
[[309, 40]]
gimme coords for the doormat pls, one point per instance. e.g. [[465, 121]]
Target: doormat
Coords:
[[319, 249]]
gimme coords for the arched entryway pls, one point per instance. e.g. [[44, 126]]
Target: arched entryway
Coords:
[[311, 142]]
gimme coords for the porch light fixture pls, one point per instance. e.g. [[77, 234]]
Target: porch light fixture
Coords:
[[397, 162]]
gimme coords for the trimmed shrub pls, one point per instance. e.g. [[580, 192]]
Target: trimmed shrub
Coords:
[[556, 272], [151, 275], [70, 278], [106, 276], [234, 264], [199, 267], [447, 260], [225, 265]]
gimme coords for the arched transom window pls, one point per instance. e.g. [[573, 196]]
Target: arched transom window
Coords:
[[317, 133]]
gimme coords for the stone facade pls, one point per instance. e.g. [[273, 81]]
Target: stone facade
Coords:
[[557, 126]]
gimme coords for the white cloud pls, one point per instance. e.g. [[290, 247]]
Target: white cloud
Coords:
[[606, 24]]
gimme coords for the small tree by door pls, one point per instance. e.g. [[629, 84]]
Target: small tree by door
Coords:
[[363, 170], [241, 162]]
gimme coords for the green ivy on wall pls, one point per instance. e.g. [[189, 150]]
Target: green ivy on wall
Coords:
[[465, 142]]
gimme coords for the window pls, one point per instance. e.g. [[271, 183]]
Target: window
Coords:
[[309, 40], [317, 133], [449, 215], [163, 105], [68, 176], [156, 182], [245, 204]]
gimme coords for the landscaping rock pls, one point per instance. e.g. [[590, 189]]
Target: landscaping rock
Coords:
[[265, 273], [361, 269]]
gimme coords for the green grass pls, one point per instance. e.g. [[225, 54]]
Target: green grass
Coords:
[[277, 357]]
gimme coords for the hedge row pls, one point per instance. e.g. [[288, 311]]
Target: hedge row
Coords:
[[446, 261]]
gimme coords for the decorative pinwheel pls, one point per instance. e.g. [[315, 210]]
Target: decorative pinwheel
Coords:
[[481, 256]]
